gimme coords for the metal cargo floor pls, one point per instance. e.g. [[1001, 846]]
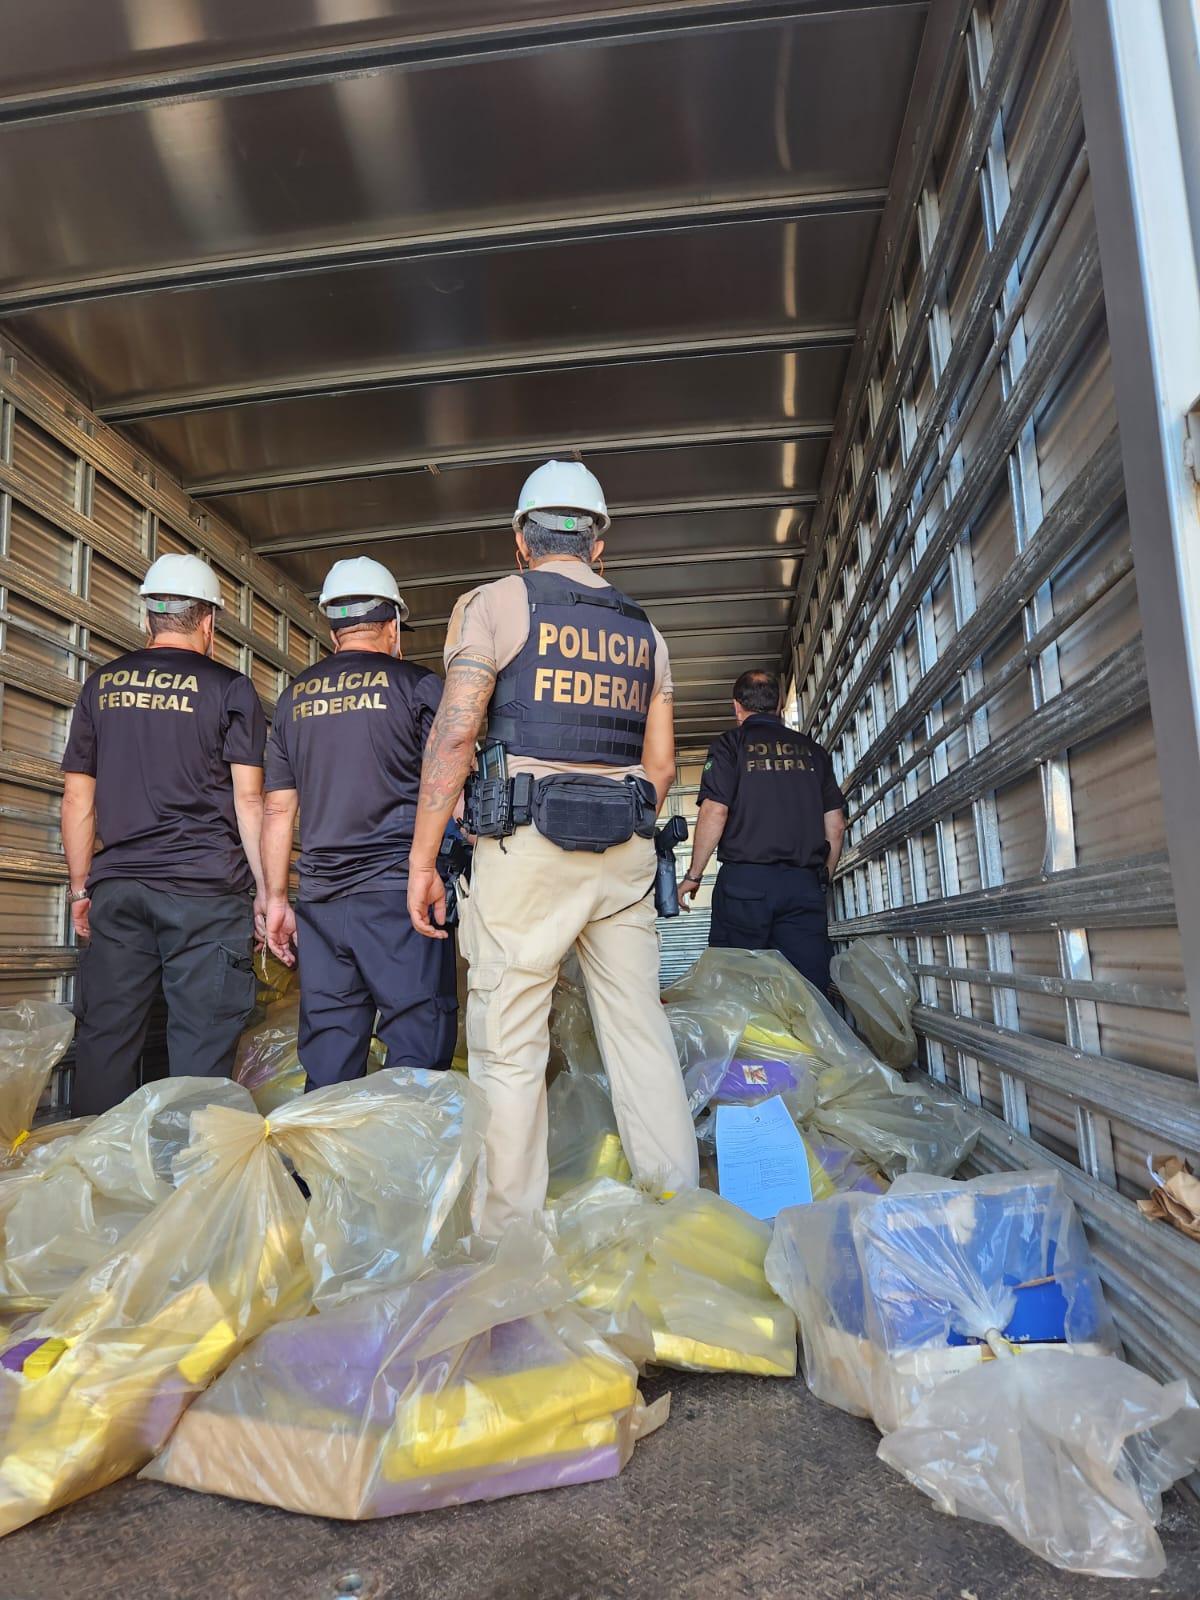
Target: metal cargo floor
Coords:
[[752, 1489]]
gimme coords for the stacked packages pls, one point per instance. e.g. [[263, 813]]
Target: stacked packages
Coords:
[[478, 1380], [677, 1281]]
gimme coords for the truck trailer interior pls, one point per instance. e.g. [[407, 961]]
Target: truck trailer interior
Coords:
[[879, 322]]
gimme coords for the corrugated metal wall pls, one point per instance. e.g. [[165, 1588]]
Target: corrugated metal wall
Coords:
[[81, 516], [968, 644]]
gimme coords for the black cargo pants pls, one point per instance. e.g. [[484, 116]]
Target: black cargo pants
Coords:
[[773, 908], [359, 953], [201, 948]]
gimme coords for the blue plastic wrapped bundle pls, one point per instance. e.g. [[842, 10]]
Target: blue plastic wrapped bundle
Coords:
[[950, 1268], [896, 1292]]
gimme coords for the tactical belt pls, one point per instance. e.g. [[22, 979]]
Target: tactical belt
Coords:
[[575, 813]]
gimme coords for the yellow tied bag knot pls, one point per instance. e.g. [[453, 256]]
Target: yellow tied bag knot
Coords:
[[18, 1141]]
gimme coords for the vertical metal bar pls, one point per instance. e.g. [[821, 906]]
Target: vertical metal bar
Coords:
[[940, 341], [1133, 64]]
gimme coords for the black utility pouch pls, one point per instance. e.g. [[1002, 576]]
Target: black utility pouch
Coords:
[[587, 813]]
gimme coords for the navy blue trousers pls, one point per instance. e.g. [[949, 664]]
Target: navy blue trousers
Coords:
[[773, 908], [358, 954]]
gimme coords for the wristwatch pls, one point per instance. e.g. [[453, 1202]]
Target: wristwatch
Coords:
[[76, 895], [691, 877]]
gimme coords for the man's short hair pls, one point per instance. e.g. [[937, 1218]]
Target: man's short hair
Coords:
[[544, 541], [757, 690], [185, 621], [367, 630]]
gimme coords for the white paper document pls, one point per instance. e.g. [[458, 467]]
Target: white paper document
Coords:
[[762, 1164]]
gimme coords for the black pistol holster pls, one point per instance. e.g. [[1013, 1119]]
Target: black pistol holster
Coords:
[[494, 808]]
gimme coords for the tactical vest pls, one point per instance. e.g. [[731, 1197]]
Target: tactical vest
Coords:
[[580, 688]]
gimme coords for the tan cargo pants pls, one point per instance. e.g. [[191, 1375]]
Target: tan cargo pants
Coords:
[[528, 905]]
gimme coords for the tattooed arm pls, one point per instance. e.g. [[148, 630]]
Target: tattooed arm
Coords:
[[658, 746], [448, 756]]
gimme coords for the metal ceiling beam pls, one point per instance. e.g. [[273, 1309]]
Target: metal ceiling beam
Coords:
[[186, 403], [496, 455], [448, 244], [292, 544], [285, 69], [655, 605], [686, 558], [679, 668]]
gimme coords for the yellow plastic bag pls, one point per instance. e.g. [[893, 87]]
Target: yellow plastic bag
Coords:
[[33, 1038], [275, 981], [268, 1054], [70, 1202], [691, 1267], [268, 1061], [93, 1387], [880, 990], [583, 1140], [476, 1381]]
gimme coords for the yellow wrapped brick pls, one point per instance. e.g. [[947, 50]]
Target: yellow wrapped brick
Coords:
[[477, 1381], [690, 1267]]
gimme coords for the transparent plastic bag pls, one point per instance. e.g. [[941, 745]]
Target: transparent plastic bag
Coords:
[[690, 1267], [812, 1265], [583, 1140], [69, 1203], [946, 1266], [33, 1038], [840, 1087], [880, 990], [94, 1385], [274, 979], [786, 1016], [476, 1382], [573, 1046], [1068, 1453], [897, 1126], [268, 1060], [837, 1168]]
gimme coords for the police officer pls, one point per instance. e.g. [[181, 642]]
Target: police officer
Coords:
[[771, 808], [161, 815], [575, 685], [345, 751]]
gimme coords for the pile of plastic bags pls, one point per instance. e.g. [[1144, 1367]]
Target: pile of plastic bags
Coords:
[[678, 1281], [967, 1319], [477, 1380], [792, 1042], [748, 1027], [94, 1385]]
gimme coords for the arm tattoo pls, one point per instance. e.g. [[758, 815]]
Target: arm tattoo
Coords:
[[460, 717]]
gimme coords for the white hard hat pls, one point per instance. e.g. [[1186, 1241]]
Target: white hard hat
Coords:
[[563, 486], [362, 584], [174, 579]]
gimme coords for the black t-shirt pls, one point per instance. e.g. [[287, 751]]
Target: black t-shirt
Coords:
[[348, 736], [159, 730], [778, 784]]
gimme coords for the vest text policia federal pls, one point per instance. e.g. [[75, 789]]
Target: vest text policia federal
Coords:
[[580, 688]]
